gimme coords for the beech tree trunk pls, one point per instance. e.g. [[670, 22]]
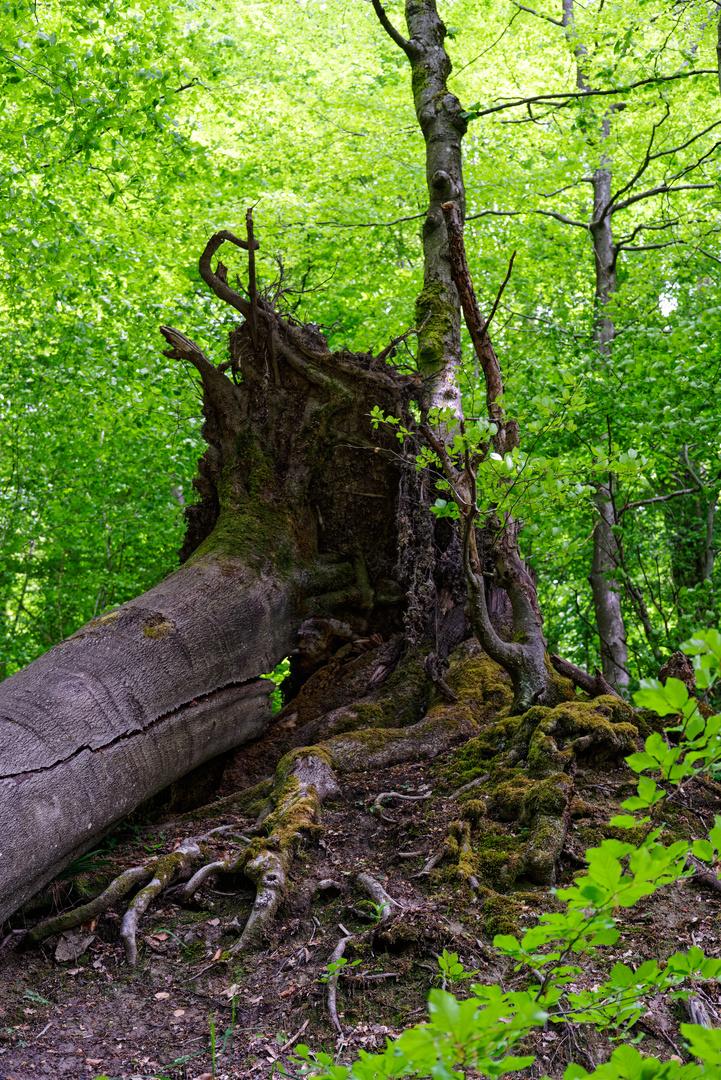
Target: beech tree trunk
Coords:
[[606, 554], [439, 116]]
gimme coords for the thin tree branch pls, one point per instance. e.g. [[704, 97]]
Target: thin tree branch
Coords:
[[662, 189], [595, 685], [391, 30], [220, 287], [656, 227], [708, 255], [656, 499], [567, 98], [515, 213], [353, 224], [509, 24], [682, 146], [487, 323], [477, 327], [566, 187], [538, 14], [640, 170], [647, 247]]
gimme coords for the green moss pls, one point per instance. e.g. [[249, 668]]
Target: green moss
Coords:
[[249, 802], [193, 953], [257, 467], [498, 857], [156, 627], [90, 885], [367, 715], [507, 800], [403, 695], [419, 80], [558, 688], [626, 836], [592, 731], [254, 530], [435, 311], [544, 847], [473, 811], [474, 757], [286, 763], [547, 796], [501, 915], [544, 755], [252, 523]]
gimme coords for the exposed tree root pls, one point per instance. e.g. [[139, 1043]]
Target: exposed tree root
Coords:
[[167, 869], [595, 684], [378, 895], [189, 890], [702, 874], [512, 769], [119, 888], [162, 871], [335, 956]]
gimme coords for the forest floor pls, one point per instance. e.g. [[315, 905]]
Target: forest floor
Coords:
[[73, 1009]]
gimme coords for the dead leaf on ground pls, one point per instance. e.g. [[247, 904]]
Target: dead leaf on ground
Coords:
[[72, 945], [162, 995]]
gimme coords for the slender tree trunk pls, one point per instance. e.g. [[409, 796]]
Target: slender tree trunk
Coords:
[[606, 554], [439, 117], [606, 593]]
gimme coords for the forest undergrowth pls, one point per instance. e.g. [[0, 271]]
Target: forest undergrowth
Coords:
[[451, 823]]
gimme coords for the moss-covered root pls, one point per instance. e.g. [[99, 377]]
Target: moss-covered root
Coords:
[[303, 779], [267, 871], [167, 869], [119, 888]]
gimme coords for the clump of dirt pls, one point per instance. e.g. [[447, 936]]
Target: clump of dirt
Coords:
[[466, 844]]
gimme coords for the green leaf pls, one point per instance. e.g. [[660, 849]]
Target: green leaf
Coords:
[[702, 849]]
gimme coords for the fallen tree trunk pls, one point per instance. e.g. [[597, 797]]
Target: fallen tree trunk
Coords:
[[143, 694], [127, 705]]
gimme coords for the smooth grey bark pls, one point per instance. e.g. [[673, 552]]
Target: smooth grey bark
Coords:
[[443, 127], [128, 704], [447, 287], [606, 553], [606, 592], [706, 557]]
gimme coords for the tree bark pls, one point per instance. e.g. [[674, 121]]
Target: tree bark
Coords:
[[524, 659], [606, 554], [443, 127], [606, 593]]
